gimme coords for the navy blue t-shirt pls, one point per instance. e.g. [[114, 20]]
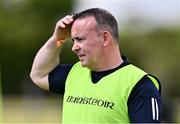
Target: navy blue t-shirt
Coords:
[[144, 103]]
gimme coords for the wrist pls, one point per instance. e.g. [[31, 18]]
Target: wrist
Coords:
[[58, 41]]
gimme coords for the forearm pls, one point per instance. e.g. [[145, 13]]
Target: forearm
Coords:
[[45, 61]]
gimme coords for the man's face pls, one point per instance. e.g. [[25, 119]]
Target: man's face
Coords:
[[87, 42]]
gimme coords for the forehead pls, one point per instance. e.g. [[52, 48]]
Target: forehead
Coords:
[[86, 23]]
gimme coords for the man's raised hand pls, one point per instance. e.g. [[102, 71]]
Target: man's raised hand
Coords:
[[62, 29]]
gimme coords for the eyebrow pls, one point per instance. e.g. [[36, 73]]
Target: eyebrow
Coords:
[[77, 37]]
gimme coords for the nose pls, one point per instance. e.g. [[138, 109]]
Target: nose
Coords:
[[75, 47]]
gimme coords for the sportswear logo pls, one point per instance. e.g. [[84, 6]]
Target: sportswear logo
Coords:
[[155, 110], [90, 101]]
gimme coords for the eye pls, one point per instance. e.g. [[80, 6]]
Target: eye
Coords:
[[78, 39]]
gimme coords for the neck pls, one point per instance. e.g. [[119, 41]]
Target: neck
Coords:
[[111, 60]]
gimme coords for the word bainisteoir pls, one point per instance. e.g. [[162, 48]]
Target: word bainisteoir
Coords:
[[90, 101]]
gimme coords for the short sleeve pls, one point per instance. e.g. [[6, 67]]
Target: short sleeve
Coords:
[[57, 78]]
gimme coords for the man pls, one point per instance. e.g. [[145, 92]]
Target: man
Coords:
[[103, 87]]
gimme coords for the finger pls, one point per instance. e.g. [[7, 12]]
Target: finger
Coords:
[[66, 20], [69, 18], [61, 24]]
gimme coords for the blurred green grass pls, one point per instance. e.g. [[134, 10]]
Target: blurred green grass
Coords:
[[18, 110], [31, 110]]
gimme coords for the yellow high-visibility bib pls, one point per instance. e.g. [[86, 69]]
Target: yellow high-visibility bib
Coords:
[[102, 102]]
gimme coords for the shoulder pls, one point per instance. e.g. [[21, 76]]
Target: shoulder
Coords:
[[146, 87], [144, 103]]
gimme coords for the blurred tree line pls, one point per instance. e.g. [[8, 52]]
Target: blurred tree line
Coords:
[[25, 25]]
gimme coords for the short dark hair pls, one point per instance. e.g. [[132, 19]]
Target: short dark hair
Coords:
[[103, 18]]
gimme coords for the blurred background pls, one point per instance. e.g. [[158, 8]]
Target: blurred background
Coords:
[[149, 37]]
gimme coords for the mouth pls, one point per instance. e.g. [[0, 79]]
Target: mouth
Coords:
[[81, 56]]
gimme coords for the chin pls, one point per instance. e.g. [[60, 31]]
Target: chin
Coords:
[[83, 64]]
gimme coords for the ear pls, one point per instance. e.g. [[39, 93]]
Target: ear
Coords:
[[106, 38]]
